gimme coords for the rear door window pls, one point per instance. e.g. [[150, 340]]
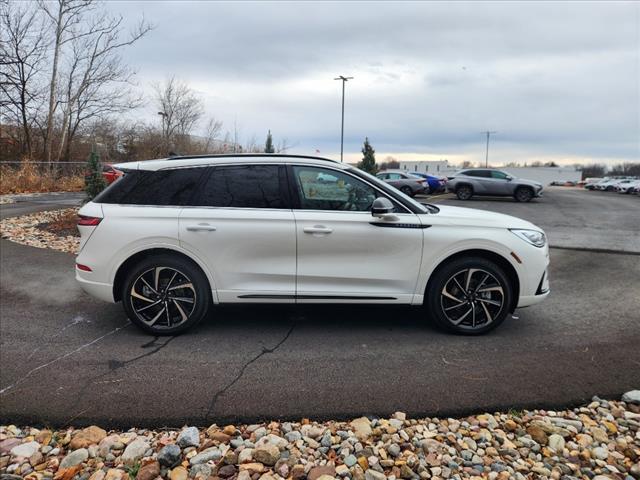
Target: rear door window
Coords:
[[244, 186]]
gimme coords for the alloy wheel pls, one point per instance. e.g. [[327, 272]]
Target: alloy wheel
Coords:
[[163, 297], [472, 298], [463, 193], [524, 194]]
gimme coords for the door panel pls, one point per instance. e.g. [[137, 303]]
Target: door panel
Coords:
[[249, 252], [353, 254]]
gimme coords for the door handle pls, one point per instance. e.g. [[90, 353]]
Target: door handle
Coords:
[[201, 227], [317, 229]]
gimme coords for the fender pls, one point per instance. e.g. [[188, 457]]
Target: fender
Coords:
[[166, 245], [432, 261]]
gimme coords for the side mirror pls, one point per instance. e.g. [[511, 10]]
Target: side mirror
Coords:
[[509, 178], [381, 207]]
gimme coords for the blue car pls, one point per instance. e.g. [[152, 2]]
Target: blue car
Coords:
[[436, 184]]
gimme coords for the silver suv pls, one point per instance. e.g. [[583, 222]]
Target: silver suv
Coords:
[[484, 181]]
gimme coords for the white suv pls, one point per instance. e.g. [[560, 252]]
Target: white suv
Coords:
[[172, 237]]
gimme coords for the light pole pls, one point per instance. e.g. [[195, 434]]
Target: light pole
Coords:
[[344, 80], [486, 158], [163, 115]]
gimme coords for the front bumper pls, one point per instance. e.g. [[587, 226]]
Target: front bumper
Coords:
[[542, 292]]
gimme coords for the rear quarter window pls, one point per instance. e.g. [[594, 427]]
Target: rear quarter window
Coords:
[[162, 187]]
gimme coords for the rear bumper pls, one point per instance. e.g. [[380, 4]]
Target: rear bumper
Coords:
[[101, 291]]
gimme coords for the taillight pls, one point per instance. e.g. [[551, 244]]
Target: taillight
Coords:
[[79, 266], [86, 221]]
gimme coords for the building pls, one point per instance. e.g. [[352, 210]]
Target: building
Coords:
[[544, 175], [432, 167]]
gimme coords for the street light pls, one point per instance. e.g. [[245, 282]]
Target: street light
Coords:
[[344, 80], [163, 115], [486, 158]]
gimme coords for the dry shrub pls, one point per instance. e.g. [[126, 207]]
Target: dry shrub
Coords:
[[63, 223], [30, 179]]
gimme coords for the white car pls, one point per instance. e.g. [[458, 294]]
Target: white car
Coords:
[[173, 237], [624, 186]]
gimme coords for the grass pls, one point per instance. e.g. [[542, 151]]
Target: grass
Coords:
[[29, 179]]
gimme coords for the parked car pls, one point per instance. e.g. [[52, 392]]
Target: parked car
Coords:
[[407, 183], [110, 174], [436, 184], [174, 237], [627, 186], [608, 185], [594, 182], [486, 181]]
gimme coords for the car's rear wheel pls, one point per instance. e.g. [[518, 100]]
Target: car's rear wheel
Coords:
[[166, 295], [407, 190], [464, 192], [523, 194], [470, 296]]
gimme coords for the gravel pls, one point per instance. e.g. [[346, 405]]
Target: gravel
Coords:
[[25, 230], [600, 440]]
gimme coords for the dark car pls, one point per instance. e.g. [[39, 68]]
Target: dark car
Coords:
[[407, 183], [436, 184]]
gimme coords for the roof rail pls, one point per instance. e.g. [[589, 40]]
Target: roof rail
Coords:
[[266, 155]]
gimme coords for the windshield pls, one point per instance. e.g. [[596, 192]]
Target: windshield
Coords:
[[385, 187]]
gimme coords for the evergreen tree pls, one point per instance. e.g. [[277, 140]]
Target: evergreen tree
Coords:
[[95, 182], [368, 162], [268, 146]]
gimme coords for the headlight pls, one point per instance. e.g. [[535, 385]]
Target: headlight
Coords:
[[535, 238]]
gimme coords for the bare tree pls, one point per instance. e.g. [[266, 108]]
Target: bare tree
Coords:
[[22, 54], [97, 82], [212, 135], [180, 108], [66, 17]]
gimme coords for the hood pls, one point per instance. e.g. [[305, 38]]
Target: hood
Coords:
[[481, 218]]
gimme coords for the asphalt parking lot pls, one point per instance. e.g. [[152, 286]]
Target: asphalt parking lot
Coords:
[[66, 358], [571, 217]]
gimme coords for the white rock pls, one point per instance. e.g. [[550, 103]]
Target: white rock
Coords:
[[135, 451], [632, 396], [25, 449]]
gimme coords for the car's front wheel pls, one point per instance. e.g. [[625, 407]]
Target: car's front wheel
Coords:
[[464, 192], [523, 194], [165, 295], [469, 295]]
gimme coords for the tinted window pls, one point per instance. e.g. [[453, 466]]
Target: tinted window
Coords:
[[244, 186], [395, 176], [321, 189], [163, 187], [498, 174], [477, 173]]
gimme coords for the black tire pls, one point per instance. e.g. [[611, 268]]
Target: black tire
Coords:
[[407, 191], [157, 280], [464, 192], [523, 194], [479, 319]]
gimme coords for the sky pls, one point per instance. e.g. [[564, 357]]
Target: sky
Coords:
[[557, 81]]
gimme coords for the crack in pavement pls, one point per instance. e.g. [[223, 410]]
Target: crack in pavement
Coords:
[[224, 389], [76, 320], [61, 357], [113, 366]]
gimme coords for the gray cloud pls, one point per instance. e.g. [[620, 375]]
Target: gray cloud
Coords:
[[555, 79]]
